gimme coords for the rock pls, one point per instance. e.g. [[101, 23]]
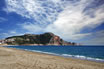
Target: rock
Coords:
[[32, 39]]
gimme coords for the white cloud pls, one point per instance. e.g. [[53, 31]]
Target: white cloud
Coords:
[[9, 34], [32, 27], [2, 19], [68, 24], [12, 32], [98, 39], [72, 21], [43, 12]]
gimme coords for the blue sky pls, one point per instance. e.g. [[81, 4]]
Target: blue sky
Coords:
[[80, 21]]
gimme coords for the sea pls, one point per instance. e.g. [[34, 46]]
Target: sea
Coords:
[[92, 53]]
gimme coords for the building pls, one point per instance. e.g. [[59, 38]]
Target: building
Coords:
[[2, 41]]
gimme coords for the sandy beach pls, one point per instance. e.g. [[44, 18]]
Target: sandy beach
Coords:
[[19, 59]]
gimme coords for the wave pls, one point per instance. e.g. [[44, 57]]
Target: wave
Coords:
[[83, 57], [71, 56], [68, 55], [43, 52]]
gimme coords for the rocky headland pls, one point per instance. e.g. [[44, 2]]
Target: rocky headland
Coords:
[[33, 39]]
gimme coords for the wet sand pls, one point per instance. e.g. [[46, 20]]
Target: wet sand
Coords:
[[19, 59]]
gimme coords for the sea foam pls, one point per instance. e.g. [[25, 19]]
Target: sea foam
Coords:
[[71, 56]]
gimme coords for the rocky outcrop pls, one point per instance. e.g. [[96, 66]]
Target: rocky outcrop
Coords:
[[42, 39]]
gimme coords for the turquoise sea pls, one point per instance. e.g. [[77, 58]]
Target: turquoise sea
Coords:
[[93, 53]]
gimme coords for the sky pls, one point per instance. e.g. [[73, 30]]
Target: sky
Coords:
[[80, 21]]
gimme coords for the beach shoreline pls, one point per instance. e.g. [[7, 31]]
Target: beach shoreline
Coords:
[[60, 55], [11, 58]]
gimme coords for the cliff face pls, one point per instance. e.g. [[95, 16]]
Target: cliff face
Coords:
[[42, 39]]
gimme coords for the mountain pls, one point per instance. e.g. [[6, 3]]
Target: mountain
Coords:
[[41, 39]]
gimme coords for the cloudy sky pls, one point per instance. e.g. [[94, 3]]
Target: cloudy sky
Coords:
[[80, 21]]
